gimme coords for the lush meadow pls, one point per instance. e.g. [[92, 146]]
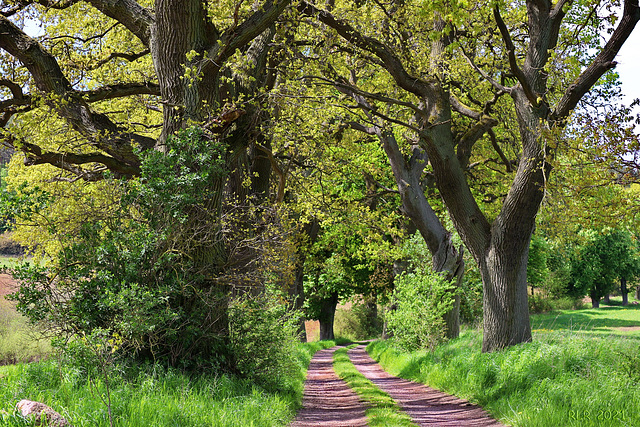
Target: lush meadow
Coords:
[[582, 369], [150, 395]]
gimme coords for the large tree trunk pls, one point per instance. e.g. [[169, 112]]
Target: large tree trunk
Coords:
[[446, 259], [638, 292], [606, 299], [595, 301], [505, 301], [624, 291], [327, 316]]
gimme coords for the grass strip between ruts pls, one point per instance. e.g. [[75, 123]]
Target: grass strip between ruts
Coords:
[[382, 409]]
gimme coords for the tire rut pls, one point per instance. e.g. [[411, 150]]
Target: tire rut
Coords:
[[328, 400], [425, 405]]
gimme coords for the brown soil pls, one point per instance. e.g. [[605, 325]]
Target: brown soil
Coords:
[[425, 406], [328, 401], [7, 284]]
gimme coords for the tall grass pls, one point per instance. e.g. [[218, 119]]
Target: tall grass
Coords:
[[18, 340], [151, 395], [560, 379]]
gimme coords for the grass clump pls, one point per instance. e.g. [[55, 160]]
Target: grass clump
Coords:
[[382, 410], [151, 395], [559, 379]]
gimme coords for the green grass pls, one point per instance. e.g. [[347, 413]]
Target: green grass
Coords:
[[382, 409], [576, 372], [10, 261], [596, 321], [150, 396], [18, 342]]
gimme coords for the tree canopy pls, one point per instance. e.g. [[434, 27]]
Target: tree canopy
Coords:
[[313, 114]]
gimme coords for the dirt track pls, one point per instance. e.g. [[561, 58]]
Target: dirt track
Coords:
[[329, 402]]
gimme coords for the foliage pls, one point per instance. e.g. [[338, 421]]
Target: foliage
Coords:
[[145, 272], [537, 270], [547, 382], [604, 257], [359, 321], [263, 333], [421, 300]]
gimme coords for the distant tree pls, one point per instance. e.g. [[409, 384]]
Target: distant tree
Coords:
[[604, 259], [537, 269]]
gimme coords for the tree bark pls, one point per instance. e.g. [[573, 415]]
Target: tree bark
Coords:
[[624, 291], [446, 259], [505, 300], [308, 235], [638, 292], [595, 302], [327, 316], [606, 299]]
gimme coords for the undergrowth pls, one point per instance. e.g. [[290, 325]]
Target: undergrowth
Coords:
[[152, 395], [560, 379]]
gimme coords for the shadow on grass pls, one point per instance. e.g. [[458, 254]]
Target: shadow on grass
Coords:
[[600, 321]]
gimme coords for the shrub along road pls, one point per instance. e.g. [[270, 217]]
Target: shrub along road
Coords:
[[328, 401]]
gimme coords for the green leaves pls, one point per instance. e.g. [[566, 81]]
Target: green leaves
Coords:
[[422, 298]]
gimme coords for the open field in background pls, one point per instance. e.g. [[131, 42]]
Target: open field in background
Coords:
[[10, 261], [603, 321], [18, 342]]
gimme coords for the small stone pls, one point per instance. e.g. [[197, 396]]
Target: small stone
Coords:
[[41, 414]]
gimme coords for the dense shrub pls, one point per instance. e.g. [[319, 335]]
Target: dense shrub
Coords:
[[359, 321], [263, 333], [155, 272], [421, 298]]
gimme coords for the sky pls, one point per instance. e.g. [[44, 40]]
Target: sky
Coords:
[[629, 67]]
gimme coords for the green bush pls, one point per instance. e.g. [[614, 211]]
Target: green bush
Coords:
[[421, 298], [264, 337], [358, 322]]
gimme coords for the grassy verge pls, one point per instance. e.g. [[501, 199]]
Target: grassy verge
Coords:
[[383, 410], [151, 396], [562, 378]]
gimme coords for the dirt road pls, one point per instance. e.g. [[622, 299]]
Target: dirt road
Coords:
[[328, 401]]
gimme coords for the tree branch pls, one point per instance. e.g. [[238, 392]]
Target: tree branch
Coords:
[[391, 62], [49, 78], [484, 75], [601, 64], [129, 13], [471, 136], [128, 56], [120, 90], [513, 63], [239, 37], [34, 155]]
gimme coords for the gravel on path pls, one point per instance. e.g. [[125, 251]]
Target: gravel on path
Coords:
[[425, 405], [328, 401]]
